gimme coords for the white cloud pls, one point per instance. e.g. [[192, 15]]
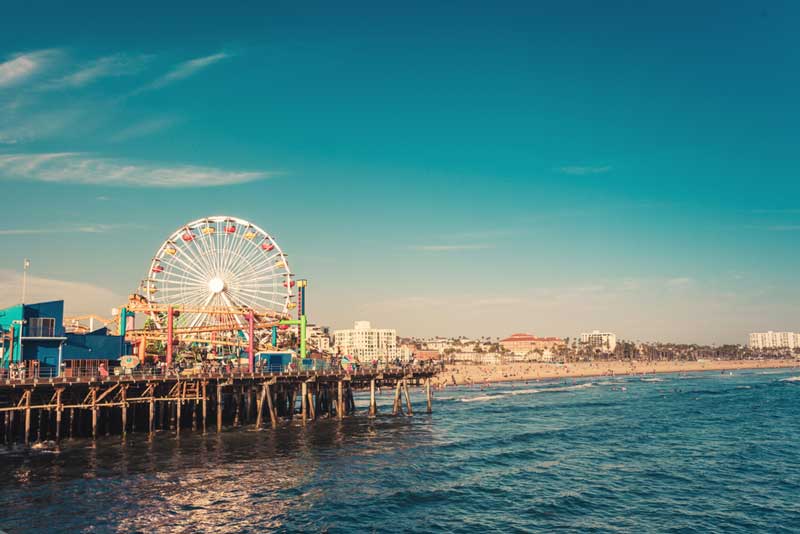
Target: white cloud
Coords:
[[141, 129], [679, 282], [186, 69], [115, 65], [76, 168], [451, 248], [579, 170], [22, 66], [19, 127], [79, 297]]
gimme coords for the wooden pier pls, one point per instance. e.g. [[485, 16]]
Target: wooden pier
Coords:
[[57, 408]]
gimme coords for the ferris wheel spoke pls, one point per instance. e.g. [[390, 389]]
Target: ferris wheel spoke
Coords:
[[256, 296], [188, 266], [197, 252], [235, 250], [228, 301], [271, 269], [200, 316]]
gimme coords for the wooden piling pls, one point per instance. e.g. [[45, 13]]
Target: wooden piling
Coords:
[[408, 397], [59, 410], [27, 395], [151, 412], [124, 398], [340, 403], [94, 413], [373, 406], [260, 406], [238, 396], [396, 408], [428, 395], [178, 415], [273, 417], [292, 402], [205, 412], [304, 401], [219, 407], [312, 408]]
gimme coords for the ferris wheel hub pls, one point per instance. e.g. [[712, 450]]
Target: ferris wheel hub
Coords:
[[216, 285]]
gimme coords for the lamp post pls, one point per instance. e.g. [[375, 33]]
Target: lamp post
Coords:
[[25, 266]]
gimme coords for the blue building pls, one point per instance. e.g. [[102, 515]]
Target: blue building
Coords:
[[35, 333]]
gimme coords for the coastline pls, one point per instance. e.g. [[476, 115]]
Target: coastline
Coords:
[[462, 375]]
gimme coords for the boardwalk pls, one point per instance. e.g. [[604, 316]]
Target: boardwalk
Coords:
[[53, 408]]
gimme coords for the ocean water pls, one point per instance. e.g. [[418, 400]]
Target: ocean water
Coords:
[[707, 452]]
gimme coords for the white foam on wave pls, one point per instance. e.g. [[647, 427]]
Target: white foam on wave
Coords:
[[652, 379], [791, 379], [484, 398]]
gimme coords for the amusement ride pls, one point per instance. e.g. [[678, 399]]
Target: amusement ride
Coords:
[[216, 288]]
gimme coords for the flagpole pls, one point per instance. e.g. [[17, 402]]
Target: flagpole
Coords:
[[25, 266]]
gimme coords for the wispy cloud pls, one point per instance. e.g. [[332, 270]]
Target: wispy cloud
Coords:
[[21, 127], [65, 229], [22, 66], [679, 282], [79, 297], [76, 168], [186, 69], [581, 170], [451, 248], [104, 67], [142, 129]]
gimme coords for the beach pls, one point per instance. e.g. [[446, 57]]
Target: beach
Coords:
[[465, 374]]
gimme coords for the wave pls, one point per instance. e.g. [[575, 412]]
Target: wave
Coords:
[[484, 398], [651, 379], [791, 379]]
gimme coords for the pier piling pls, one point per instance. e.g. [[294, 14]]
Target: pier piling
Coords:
[[41, 404]]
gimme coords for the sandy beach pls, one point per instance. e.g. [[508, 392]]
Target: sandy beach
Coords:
[[480, 374]]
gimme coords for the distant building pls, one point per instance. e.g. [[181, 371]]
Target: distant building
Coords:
[[601, 340], [774, 340], [423, 355], [319, 338], [365, 343], [522, 344], [439, 344]]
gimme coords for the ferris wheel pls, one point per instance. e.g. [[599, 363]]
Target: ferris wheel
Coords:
[[219, 263]]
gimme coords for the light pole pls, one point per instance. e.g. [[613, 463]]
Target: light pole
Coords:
[[25, 266]]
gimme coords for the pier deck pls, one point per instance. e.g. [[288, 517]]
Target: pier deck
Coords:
[[52, 408]]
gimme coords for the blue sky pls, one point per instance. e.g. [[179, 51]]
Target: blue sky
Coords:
[[473, 168]]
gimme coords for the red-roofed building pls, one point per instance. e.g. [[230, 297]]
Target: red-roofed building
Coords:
[[424, 355], [524, 343]]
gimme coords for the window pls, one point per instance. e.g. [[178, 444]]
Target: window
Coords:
[[41, 327]]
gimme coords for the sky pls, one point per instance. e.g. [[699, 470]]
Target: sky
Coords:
[[442, 168]]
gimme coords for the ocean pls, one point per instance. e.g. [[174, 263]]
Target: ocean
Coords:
[[705, 452]]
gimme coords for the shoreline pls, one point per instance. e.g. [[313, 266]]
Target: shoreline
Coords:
[[466, 375]]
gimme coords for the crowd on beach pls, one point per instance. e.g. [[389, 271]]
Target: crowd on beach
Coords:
[[471, 374]]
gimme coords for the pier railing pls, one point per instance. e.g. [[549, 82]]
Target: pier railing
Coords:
[[50, 374]]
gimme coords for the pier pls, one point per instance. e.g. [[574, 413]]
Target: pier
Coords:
[[51, 409]]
